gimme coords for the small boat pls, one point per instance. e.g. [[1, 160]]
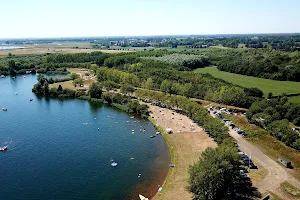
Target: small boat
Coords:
[[152, 136], [16, 93], [4, 109], [2, 76], [114, 164], [31, 99], [4, 148], [159, 189], [157, 133], [142, 197], [24, 76]]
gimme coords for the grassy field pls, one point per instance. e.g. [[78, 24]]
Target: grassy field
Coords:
[[266, 85]]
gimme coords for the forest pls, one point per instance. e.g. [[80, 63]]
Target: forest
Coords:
[[266, 64]]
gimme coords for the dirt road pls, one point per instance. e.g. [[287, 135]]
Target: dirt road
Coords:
[[277, 173]]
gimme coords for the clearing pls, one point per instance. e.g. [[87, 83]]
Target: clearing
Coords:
[[266, 85], [88, 80]]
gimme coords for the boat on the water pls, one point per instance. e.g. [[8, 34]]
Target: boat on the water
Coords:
[[31, 99], [142, 197], [4, 148], [4, 109], [152, 136], [114, 164]]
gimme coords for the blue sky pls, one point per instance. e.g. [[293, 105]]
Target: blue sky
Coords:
[[72, 18]]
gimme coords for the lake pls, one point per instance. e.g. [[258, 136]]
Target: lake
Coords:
[[63, 149], [10, 47]]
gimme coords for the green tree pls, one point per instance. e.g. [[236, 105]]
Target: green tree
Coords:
[[127, 88], [46, 88], [74, 76], [12, 67], [59, 89], [148, 84], [215, 175], [78, 81], [95, 90], [166, 86]]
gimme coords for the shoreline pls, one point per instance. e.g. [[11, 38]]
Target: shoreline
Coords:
[[171, 154]]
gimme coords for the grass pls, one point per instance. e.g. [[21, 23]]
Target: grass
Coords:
[[290, 189], [65, 85], [275, 196], [295, 99], [268, 144], [258, 174], [266, 85]]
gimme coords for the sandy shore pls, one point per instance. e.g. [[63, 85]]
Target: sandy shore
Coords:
[[187, 143]]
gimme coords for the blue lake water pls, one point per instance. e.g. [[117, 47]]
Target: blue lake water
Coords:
[[53, 155], [10, 47]]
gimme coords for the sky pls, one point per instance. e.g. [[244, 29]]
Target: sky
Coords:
[[89, 18]]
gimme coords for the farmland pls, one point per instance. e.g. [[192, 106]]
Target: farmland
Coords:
[[266, 85], [64, 47]]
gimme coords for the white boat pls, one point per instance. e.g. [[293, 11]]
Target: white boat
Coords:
[[157, 133], [16, 93], [4, 148], [4, 109], [2, 76], [142, 197], [114, 164]]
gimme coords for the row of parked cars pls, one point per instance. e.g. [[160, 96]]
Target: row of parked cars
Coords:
[[247, 163], [229, 123]]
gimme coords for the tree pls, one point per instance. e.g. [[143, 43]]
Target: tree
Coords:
[[9, 54], [59, 89], [74, 76], [270, 95], [148, 84], [12, 67], [78, 81], [95, 90], [215, 176], [126, 88], [166, 86], [46, 88]]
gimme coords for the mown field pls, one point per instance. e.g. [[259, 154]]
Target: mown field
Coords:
[[266, 85]]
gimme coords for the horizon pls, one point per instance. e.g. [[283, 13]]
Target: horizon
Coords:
[[136, 36], [133, 18]]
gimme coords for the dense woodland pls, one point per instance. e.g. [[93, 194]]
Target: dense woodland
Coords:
[[274, 115], [268, 64]]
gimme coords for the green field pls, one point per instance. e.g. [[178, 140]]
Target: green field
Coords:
[[266, 85]]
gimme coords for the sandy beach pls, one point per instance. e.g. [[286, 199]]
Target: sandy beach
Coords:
[[187, 141]]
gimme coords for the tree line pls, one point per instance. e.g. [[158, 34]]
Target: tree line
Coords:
[[266, 64]]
